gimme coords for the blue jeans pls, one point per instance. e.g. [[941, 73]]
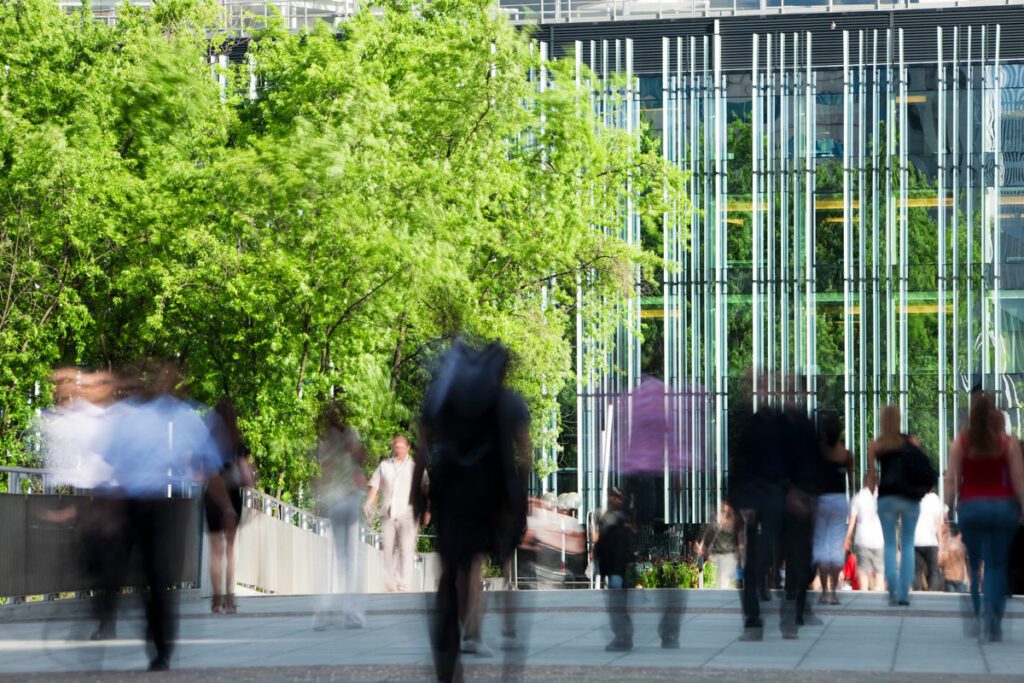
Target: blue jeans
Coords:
[[988, 525], [891, 509]]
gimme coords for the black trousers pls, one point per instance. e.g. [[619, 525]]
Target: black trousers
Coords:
[[799, 536], [763, 534], [926, 565]]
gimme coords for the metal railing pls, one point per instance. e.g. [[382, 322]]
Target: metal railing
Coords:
[[570, 11], [39, 481], [244, 16]]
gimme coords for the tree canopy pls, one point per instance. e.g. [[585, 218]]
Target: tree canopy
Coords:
[[387, 188]]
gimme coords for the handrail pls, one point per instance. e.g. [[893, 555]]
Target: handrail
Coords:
[[42, 480], [242, 16]]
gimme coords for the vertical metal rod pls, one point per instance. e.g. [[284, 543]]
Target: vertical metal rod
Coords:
[[721, 340], [890, 220], [861, 440], [848, 366], [770, 179], [876, 159], [955, 192], [904, 261], [969, 217], [997, 238], [942, 360], [755, 220], [810, 295], [983, 228], [783, 272]]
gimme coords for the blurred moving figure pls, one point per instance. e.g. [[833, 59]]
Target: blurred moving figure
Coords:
[[339, 491], [475, 432], [904, 476], [864, 536], [803, 484], [757, 471], [235, 474], [718, 543], [73, 433], [154, 438], [613, 550], [393, 480], [986, 478], [833, 508], [931, 516], [953, 559]]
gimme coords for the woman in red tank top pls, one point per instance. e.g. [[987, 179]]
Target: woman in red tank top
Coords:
[[986, 478]]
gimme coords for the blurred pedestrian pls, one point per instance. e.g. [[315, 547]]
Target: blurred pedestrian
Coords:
[[157, 438], [235, 474], [895, 461], [930, 519], [474, 435], [613, 550], [393, 481], [986, 478], [833, 508], [339, 493], [953, 559], [757, 470], [864, 537], [718, 544]]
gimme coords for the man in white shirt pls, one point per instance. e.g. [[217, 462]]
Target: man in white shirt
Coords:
[[392, 480], [926, 544], [864, 531]]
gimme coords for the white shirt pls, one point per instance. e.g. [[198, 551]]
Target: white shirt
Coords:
[[926, 532], [393, 479], [868, 533]]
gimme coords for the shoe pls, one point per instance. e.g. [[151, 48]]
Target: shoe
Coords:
[[103, 632], [789, 632], [619, 645], [472, 646], [752, 634], [670, 643], [159, 664], [511, 643], [217, 604], [228, 606], [321, 622], [904, 603], [354, 620]]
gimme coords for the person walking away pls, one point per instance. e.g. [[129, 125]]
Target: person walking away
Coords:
[[473, 433], [339, 490], [864, 537], [614, 552], [801, 446], [904, 475], [756, 472], [953, 559], [393, 482], [833, 509], [926, 543], [235, 474], [986, 479]]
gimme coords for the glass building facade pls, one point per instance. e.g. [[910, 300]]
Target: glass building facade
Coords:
[[854, 239]]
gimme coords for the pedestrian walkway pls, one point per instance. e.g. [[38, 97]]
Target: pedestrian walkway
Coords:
[[271, 639]]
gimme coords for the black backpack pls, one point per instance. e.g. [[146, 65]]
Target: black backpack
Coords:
[[461, 404], [908, 472]]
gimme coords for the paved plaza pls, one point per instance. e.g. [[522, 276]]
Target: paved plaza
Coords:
[[271, 639]]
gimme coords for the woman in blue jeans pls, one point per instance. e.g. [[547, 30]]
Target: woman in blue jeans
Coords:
[[986, 476], [893, 506]]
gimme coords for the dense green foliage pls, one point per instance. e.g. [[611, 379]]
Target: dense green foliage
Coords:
[[387, 189]]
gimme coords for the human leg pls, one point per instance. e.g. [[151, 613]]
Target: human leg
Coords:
[[217, 569], [1003, 518], [388, 533], [888, 516], [618, 612], [405, 531], [972, 524], [909, 511]]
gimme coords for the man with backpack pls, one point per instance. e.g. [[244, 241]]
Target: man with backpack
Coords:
[[475, 437]]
